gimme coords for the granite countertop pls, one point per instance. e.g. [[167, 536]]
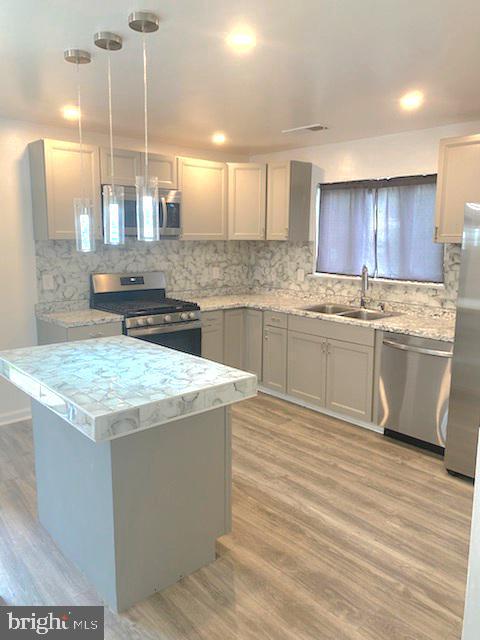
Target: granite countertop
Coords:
[[440, 327], [111, 387], [79, 318], [423, 326]]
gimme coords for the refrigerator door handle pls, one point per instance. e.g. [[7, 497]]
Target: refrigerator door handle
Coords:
[[429, 352]]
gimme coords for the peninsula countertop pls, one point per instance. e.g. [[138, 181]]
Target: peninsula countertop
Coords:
[[423, 325], [111, 387]]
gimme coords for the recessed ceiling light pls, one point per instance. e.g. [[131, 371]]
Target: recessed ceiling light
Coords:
[[241, 40], [411, 100], [218, 138], [70, 113]]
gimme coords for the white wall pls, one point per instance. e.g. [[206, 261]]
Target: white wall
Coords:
[[17, 252], [414, 152]]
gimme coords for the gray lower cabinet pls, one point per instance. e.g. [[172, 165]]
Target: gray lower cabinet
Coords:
[[212, 335], [234, 338], [275, 358], [306, 367], [253, 342], [49, 333], [349, 375]]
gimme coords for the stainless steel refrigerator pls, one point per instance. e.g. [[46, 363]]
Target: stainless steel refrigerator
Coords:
[[464, 404]]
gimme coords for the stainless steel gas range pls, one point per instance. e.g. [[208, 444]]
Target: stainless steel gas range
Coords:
[[148, 314]]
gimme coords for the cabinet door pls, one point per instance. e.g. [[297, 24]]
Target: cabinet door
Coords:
[[234, 338], [63, 179], [349, 379], [278, 200], [204, 199], [246, 201], [306, 367], [164, 168], [457, 183], [212, 335], [253, 341], [275, 359], [127, 166]]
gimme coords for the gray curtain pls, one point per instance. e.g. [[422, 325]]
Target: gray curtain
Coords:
[[405, 247], [346, 231]]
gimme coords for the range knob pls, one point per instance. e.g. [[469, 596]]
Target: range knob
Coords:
[[150, 320], [167, 318], [141, 322], [184, 316], [192, 315]]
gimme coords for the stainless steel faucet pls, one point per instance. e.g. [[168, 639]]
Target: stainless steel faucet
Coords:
[[363, 300]]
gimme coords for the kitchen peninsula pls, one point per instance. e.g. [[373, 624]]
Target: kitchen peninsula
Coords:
[[132, 456]]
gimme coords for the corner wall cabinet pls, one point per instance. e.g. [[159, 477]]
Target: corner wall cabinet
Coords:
[[204, 199], [290, 200], [457, 183], [55, 173], [246, 200]]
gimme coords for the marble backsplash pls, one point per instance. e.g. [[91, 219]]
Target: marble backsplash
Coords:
[[190, 268], [274, 265], [196, 269]]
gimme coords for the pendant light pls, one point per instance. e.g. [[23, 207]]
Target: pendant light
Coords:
[[113, 194], [82, 206], [147, 188]]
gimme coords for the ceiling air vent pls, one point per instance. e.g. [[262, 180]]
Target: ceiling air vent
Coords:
[[307, 127]]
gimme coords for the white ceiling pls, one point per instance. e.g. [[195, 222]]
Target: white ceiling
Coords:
[[343, 63]]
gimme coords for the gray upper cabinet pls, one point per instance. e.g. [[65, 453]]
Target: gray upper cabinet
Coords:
[[212, 335], [457, 183], [253, 341], [306, 367], [56, 180], [130, 164], [246, 200], [290, 200], [234, 338], [127, 165], [349, 375], [275, 358], [204, 199]]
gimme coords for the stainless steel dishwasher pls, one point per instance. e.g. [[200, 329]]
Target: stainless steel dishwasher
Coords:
[[414, 389]]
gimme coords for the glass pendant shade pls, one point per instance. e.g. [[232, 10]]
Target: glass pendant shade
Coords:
[[84, 224], [148, 229], [113, 214]]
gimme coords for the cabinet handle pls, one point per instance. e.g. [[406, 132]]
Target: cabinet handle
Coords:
[[265, 337]]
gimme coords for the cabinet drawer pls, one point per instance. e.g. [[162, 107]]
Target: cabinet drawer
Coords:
[[94, 331], [333, 330], [212, 319], [273, 319]]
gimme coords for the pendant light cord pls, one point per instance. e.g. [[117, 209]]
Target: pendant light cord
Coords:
[[80, 136], [110, 119], [145, 109]]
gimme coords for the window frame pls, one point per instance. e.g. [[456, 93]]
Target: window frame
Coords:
[[373, 183]]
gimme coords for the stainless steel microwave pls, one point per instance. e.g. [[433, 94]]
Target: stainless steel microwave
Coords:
[[169, 213]]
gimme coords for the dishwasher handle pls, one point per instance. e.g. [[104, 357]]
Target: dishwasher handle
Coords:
[[428, 352]]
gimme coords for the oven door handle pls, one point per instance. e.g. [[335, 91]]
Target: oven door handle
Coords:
[[158, 330]]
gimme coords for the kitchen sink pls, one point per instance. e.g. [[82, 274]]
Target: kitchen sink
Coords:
[[367, 314], [330, 309]]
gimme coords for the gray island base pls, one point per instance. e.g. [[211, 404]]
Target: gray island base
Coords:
[[136, 513]]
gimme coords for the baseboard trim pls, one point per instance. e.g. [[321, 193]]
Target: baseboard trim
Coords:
[[14, 416], [331, 414]]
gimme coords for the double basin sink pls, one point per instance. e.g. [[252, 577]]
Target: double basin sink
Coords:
[[348, 312]]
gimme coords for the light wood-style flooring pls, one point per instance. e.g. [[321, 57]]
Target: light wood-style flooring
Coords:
[[338, 533]]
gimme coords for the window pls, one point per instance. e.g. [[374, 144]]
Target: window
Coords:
[[385, 224]]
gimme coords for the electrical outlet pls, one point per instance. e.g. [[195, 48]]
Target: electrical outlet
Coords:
[[47, 282], [300, 275]]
